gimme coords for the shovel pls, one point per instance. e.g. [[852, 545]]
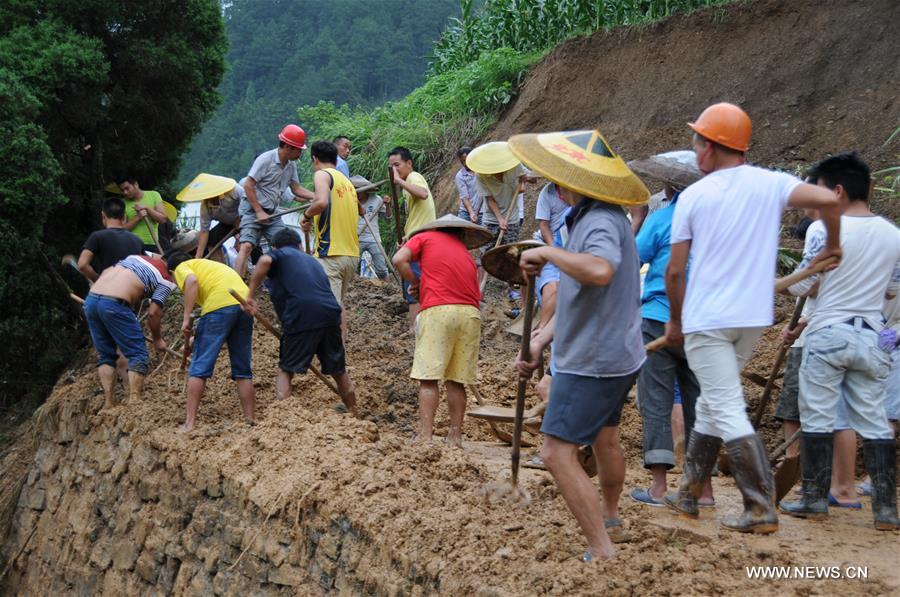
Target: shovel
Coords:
[[787, 474], [776, 367]]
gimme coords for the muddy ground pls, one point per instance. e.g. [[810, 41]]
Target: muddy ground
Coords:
[[426, 502]]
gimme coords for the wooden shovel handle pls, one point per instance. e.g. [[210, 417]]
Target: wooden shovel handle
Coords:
[[153, 235], [782, 284], [655, 345], [776, 366]]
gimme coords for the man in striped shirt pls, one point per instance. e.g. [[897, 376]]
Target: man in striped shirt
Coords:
[[109, 310]]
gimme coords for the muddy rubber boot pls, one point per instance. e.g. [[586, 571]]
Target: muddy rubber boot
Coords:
[[881, 462], [751, 472], [107, 375], [816, 452], [698, 464], [135, 386]]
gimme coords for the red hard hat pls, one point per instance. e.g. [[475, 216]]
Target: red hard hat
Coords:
[[726, 124], [294, 136]]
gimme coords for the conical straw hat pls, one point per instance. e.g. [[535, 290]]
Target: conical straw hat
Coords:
[[677, 168], [472, 235], [583, 162], [171, 211], [492, 158], [205, 186], [364, 185], [503, 262]]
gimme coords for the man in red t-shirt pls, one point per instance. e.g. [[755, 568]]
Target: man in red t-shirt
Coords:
[[448, 327]]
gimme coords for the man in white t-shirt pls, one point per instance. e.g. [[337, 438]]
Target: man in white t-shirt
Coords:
[[728, 224], [843, 360]]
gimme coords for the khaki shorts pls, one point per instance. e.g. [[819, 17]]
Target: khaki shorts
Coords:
[[340, 271], [447, 339]]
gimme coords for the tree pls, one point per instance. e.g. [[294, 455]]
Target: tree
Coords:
[[89, 88]]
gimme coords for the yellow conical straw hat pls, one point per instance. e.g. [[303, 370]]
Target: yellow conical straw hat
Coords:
[[113, 188], [492, 158], [583, 162], [171, 211], [205, 186]]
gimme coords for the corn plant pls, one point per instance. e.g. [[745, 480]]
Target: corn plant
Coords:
[[536, 25]]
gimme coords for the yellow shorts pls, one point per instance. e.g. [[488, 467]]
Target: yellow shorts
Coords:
[[447, 339], [340, 271]]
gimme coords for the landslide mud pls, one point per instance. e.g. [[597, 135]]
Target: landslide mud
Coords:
[[311, 501]]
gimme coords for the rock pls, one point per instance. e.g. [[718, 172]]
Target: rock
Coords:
[[124, 552], [287, 575], [330, 547], [34, 498], [147, 567]]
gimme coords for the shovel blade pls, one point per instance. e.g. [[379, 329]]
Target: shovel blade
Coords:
[[786, 476]]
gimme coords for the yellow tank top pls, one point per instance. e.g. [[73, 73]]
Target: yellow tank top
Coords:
[[335, 227]]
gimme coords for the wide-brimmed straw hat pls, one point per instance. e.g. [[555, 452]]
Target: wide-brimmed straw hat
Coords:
[[503, 262], [583, 162], [364, 185], [205, 186], [171, 211], [492, 158], [676, 168], [472, 235]]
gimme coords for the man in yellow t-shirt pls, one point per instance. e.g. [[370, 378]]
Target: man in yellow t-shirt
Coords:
[[206, 283], [138, 205], [334, 214], [420, 211]]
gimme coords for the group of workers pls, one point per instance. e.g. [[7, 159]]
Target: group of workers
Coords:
[[596, 230]]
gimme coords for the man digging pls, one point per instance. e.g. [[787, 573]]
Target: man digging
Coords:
[[596, 332], [310, 315], [109, 311], [728, 224], [448, 326], [207, 283]]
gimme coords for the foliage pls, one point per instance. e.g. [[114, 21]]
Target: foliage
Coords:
[[88, 89], [286, 54], [535, 25], [886, 199], [448, 111]]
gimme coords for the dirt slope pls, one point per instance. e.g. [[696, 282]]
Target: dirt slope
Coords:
[[816, 76]]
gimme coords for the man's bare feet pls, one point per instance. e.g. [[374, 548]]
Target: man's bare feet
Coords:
[[185, 428], [454, 438]]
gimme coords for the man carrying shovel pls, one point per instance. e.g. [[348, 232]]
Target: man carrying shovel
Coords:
[[310, 315], [420, 211], [596, 332], [220, 200], [207, 283], [272, 173], [448, 328], [728, 224], [109, 311], [367, 229], [143, 212]]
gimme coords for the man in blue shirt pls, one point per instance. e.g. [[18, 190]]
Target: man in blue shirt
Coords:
[[343, 146], [666, 368], [310, 315]]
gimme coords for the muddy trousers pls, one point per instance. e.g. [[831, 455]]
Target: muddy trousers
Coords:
[[716, 357]]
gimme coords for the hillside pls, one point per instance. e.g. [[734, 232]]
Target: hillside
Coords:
[[817, 77]]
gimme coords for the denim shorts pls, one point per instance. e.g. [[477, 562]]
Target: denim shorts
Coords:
[[226, 325], [549, 273], [252, 231], [410, 299], [788, 408], [580, 406], [113, 324]]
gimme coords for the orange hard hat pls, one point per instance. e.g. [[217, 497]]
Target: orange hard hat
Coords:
[[294, 136], [725, 124]]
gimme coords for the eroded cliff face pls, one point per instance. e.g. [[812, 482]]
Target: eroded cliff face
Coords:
[[107, 510]]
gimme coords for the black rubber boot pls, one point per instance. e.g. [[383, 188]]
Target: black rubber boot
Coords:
[[751, 472], [881, 462], [698, 464], [816, 451]]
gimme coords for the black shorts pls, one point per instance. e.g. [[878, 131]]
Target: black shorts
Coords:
[[580, 406], [298, 349]]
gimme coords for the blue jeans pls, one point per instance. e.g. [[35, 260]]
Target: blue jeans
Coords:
[[410, 299], [113, 324], [844, 362], [228, 324]]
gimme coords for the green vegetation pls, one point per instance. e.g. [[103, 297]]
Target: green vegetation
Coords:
[[286, 54], [449, 110], [535, 25], [88, 89], [477, 66]]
